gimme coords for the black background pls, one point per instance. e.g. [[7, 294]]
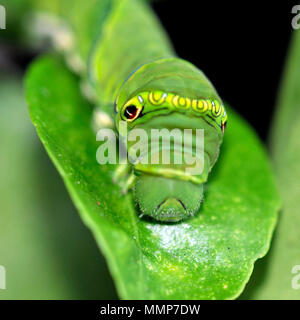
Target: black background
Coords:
[[240, 45], [86, 309]]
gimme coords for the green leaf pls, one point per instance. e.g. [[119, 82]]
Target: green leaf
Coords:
[[208, 257], [276, 270], [44, 247]]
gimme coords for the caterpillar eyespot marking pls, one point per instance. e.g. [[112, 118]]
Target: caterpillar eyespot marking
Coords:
[[174, 102], [131, 112], [156, 98]]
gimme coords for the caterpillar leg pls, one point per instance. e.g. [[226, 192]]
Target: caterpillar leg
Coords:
[[128, 183], [88, 91], [121, 172], [101, 119], [123, 177], [41, 24]]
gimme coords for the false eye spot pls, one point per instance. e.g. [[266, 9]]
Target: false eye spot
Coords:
[[131, 112]]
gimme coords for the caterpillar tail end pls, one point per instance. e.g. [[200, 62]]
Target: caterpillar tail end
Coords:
[[171, 210], [167, 200]]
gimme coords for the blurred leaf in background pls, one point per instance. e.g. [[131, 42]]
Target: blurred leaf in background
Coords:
[[273, 277], [45, 248]]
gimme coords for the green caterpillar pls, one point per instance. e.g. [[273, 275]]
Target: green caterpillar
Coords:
[[123, 54]]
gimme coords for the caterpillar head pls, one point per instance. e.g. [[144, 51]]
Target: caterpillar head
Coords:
[[166, 190]]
